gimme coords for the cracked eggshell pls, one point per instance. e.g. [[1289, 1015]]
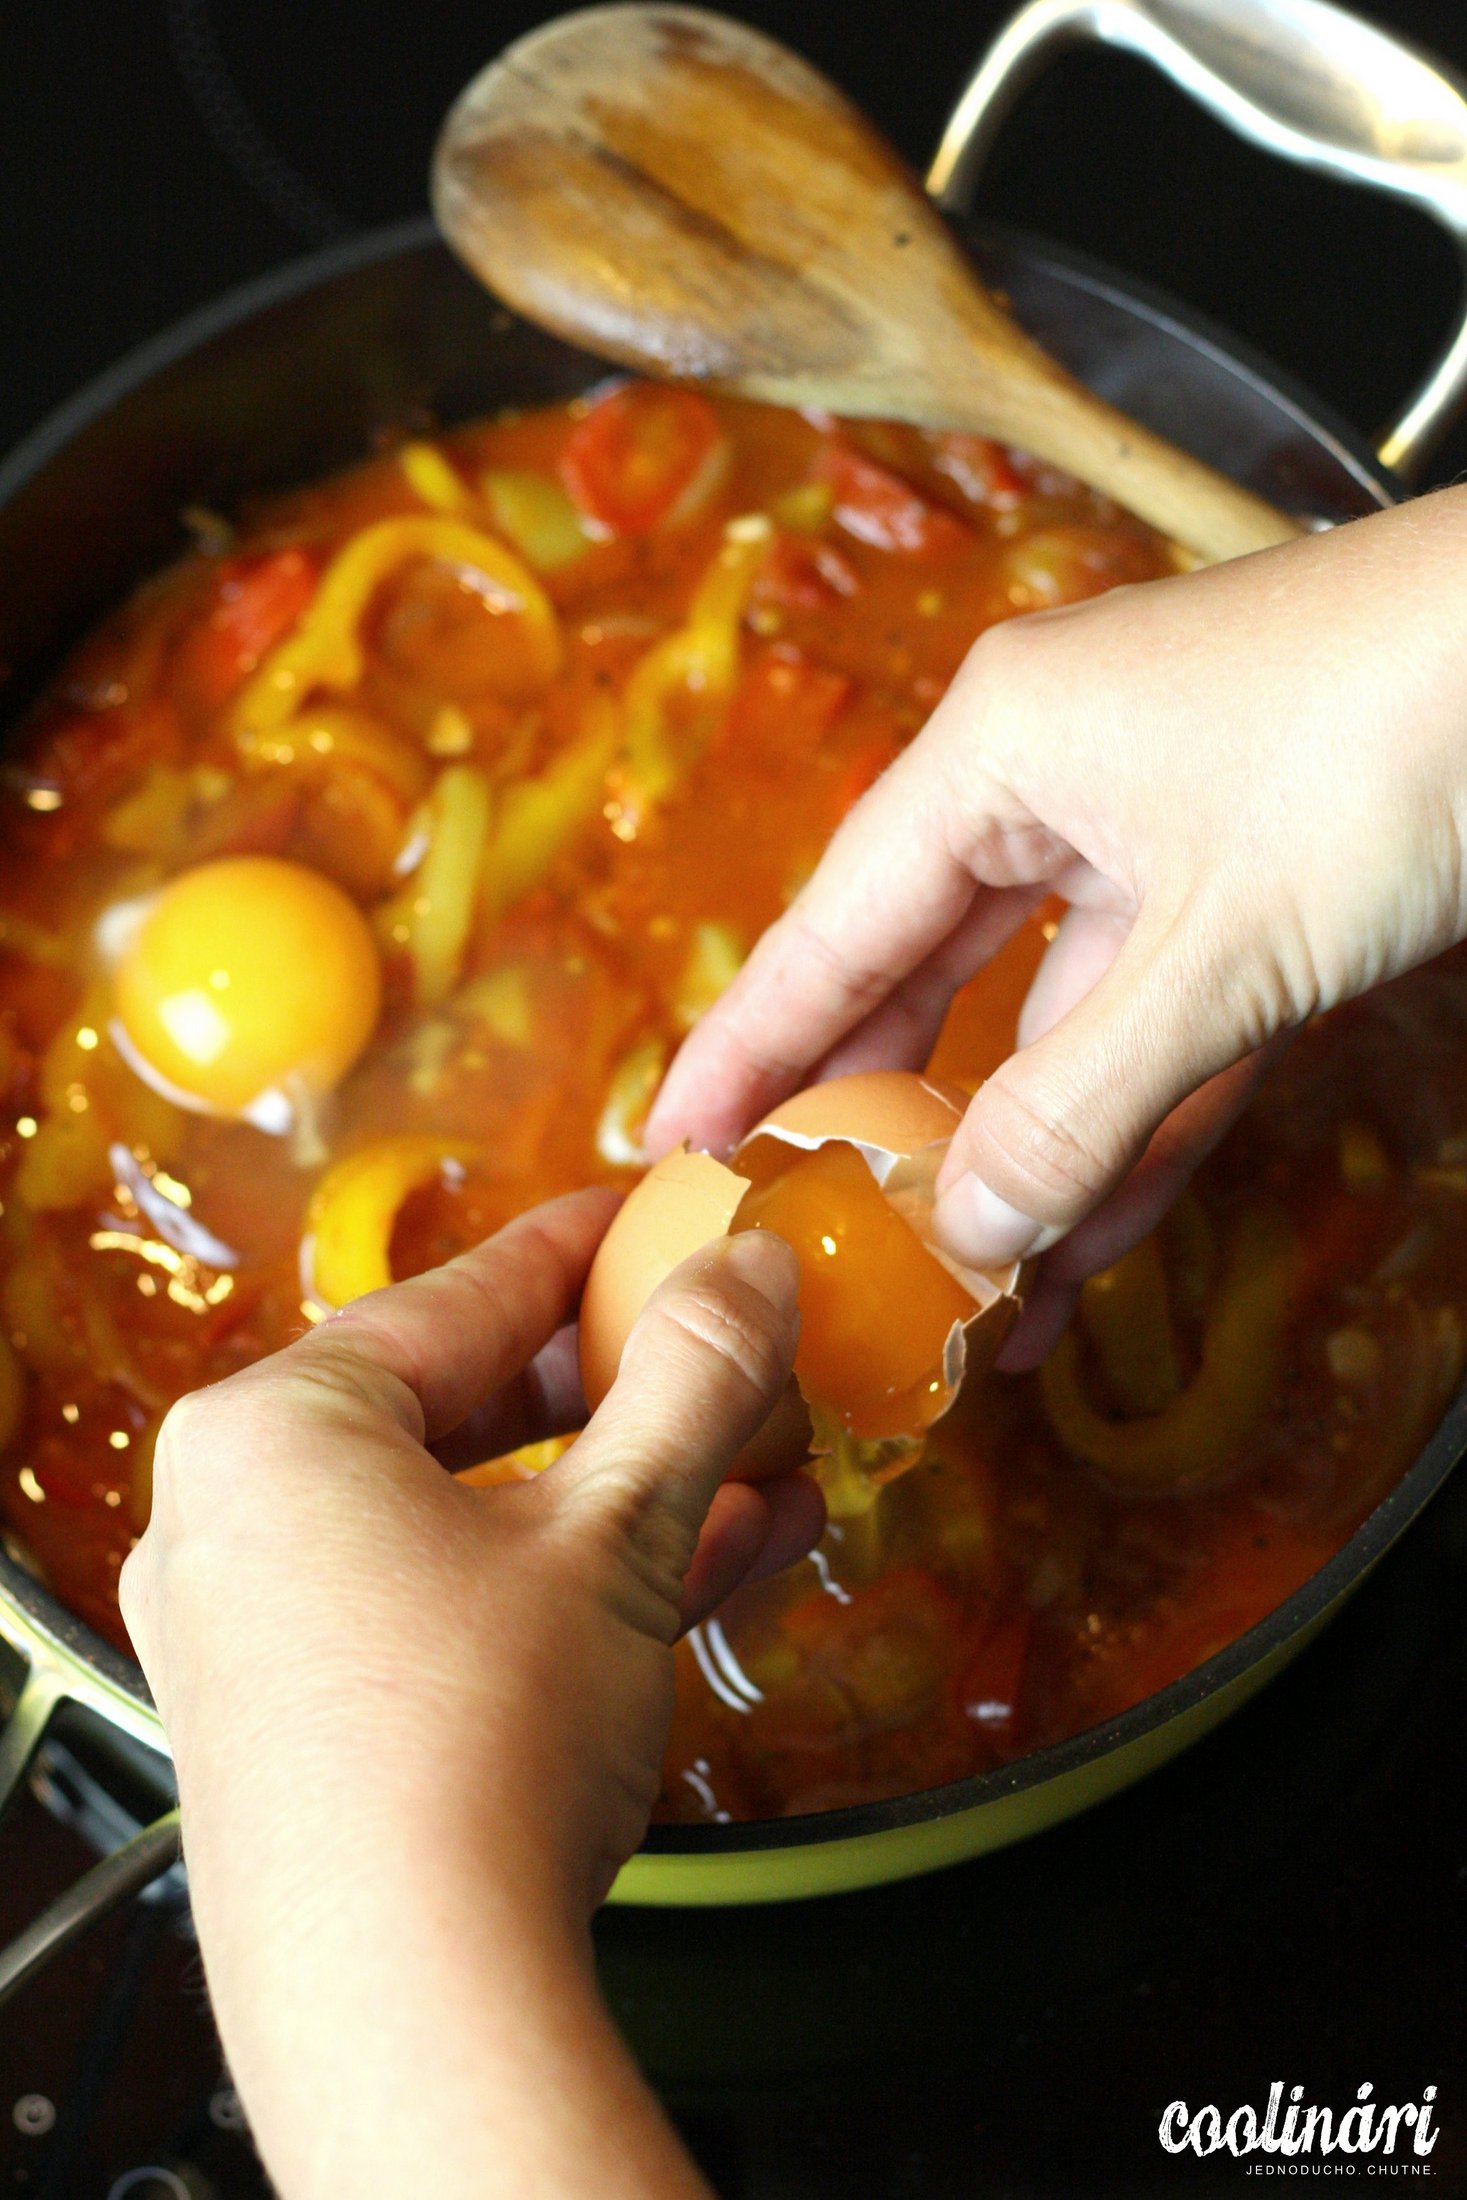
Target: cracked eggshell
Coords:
[[681, 1205], [901, 1125], [886, 1114]]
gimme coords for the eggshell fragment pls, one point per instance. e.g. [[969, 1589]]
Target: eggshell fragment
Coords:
[[901, 1125], [886, 1114], [687, 1201]]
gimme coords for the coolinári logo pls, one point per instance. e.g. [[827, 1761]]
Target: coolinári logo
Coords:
[[1368, 2139]]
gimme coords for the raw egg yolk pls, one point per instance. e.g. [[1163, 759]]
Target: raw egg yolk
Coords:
[[249, 976], [875, 1307]]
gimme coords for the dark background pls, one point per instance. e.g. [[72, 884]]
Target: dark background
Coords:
[[1287, 1902], [156, 151]]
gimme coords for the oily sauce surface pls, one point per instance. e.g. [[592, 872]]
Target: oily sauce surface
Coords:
[[567, 705]]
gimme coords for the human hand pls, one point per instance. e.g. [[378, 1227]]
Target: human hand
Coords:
[[1249, 784], [418, 1726]]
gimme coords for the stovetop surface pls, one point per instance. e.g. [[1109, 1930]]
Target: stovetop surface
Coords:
[[1289, 1901]]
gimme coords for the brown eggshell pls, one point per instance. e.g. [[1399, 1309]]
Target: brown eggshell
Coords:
[[682, 1204], [899, 1122], [902, 1124], [888, 1114]]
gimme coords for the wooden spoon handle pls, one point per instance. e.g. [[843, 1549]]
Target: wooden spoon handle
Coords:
[[1186, 500], [1015, 393]]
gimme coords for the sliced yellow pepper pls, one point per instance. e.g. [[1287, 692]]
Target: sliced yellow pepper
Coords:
[[432, 915], [531, 510], [500, 1002], [1126, 1314], [537, 515], [700, 659], [328, 735], [150, 820], [805, 508], [515, 1466], [325, 650], [629, 1096], [66, 1163], [714, 961], [1203, 1430], [535, 817], [431, 477], [353, 1209]]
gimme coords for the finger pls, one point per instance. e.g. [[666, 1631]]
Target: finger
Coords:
[[1183, 1142], [544, 1399], [750, 1534], [1172, 1158], [432, 1349], [1043, 1320], [705, 1363], [886, 893], [903, 1031], [780, 1444], [1063, 1120], [1083, 948], [797, 1522]]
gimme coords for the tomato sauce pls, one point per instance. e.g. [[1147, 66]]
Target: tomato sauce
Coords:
[[567, 705]]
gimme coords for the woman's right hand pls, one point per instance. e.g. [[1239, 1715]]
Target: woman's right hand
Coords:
[[1250, 785]]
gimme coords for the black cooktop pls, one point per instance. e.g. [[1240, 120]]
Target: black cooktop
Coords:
[[1286, 1904]]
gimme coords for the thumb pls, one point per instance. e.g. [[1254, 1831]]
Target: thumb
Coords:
[[1062, 1121], [706, 1362]]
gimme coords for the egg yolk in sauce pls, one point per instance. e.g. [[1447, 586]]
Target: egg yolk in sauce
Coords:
[[876, 1308], [249, 980]]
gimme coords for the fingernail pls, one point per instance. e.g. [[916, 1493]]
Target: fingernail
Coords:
[[766, 1263], [982, 1230], [659, 1140], [655, 1141]]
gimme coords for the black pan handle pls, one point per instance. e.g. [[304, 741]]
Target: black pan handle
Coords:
[[1303, 79], [151, 1852], [48, 1684]]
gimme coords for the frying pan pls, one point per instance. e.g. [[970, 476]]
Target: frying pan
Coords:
[[295, 375]]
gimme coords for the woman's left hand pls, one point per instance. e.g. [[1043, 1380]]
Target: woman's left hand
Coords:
[[417, 1725]]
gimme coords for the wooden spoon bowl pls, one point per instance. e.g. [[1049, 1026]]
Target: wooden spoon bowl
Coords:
[[682, 194]]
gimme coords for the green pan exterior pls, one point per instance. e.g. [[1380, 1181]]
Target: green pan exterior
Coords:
[[793, 1871]]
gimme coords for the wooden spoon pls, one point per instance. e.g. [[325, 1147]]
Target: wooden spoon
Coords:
[[682, 194]]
